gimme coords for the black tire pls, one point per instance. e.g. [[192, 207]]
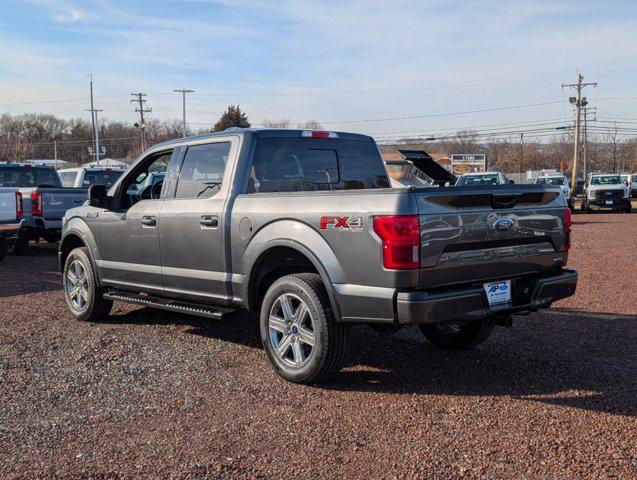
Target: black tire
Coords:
[[19, 246], [95, 306], [451, 336], [325, 358], [3, 247]]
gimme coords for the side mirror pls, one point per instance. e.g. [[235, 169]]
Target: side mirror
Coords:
[[511, 182], [97, 196]]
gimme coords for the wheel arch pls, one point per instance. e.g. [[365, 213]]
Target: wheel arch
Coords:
[[263, 258], [77, 234]]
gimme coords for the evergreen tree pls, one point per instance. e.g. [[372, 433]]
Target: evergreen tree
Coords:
[[232, 117]]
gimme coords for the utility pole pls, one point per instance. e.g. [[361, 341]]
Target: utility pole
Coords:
[[183, 92], [92, 114], [577, 100], [141, 110], [521, 150], [96, 129]]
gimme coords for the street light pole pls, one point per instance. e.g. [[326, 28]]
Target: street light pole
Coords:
[[183, 92]]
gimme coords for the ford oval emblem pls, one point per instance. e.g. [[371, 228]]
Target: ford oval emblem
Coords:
[[503, 224]]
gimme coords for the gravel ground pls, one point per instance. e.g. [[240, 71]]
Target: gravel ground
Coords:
[[149, 394]]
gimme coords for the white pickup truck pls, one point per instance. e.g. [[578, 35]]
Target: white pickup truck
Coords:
[[10, 216]]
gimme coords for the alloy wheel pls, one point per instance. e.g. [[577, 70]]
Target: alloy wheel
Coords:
[[291, 330], [77, 285]]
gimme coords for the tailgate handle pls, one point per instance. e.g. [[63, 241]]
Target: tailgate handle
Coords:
[[503, 201]]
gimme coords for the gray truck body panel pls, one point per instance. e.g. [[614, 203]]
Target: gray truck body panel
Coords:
[[179, 257]]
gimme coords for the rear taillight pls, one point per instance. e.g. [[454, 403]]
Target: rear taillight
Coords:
[[19, 208], [36, 203], [567, 228], [401, 241]]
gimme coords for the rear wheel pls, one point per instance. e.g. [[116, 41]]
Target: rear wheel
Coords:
[[3, 248], [83, 297], [457, 336], [19, 246], [299, 332]]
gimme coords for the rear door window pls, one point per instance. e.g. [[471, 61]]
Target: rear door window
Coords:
[[202, 171], [307, 164]]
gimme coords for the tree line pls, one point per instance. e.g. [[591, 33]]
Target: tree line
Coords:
[[605, 153], [39, 135]]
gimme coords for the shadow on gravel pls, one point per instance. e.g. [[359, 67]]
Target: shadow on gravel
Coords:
[[563, 357], [240, 328]]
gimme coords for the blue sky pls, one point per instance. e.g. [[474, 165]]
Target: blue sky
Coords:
[[365, 62]]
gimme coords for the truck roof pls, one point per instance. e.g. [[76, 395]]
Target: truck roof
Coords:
[[262, 132], [27, 165], [479, 173]]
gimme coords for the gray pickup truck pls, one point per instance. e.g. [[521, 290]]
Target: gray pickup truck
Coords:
[[303, 229], [44, 202]]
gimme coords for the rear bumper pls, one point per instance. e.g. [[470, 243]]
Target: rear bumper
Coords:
[[10, 230], [529, 294]]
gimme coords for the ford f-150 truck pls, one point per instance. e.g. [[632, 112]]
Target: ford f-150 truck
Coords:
[[44, 202], [303, 229], [606, 191], [10, 217]]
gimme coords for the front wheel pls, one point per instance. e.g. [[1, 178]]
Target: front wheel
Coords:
[[3, 247], [83, 296], [299, 331], [457, 336]]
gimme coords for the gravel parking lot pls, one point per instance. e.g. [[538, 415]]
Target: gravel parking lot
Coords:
[[152, 394]]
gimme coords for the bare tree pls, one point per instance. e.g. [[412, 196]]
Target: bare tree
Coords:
[[311, 125], [276, 122]]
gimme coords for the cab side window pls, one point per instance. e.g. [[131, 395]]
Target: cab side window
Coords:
[[202, 171], [68, 178]]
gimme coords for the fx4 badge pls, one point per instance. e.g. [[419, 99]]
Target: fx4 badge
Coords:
[[341, 223]]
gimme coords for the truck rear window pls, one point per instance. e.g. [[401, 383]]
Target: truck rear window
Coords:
[[25, 177], [306, 164], [101, 177]]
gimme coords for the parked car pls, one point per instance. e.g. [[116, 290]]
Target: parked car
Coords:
[[606, 191], [633, 185], [562, 182], [44, 202], [84, 177], [482, 178], [303, 229], [10, 217]]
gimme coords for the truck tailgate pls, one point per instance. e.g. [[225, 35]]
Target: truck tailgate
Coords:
[[472, 234], [56, 201], [7, 205]]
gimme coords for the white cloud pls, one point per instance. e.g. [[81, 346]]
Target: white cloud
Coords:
[[73, 16]]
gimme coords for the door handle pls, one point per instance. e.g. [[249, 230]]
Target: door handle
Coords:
[[209, 221], [149, 221]]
